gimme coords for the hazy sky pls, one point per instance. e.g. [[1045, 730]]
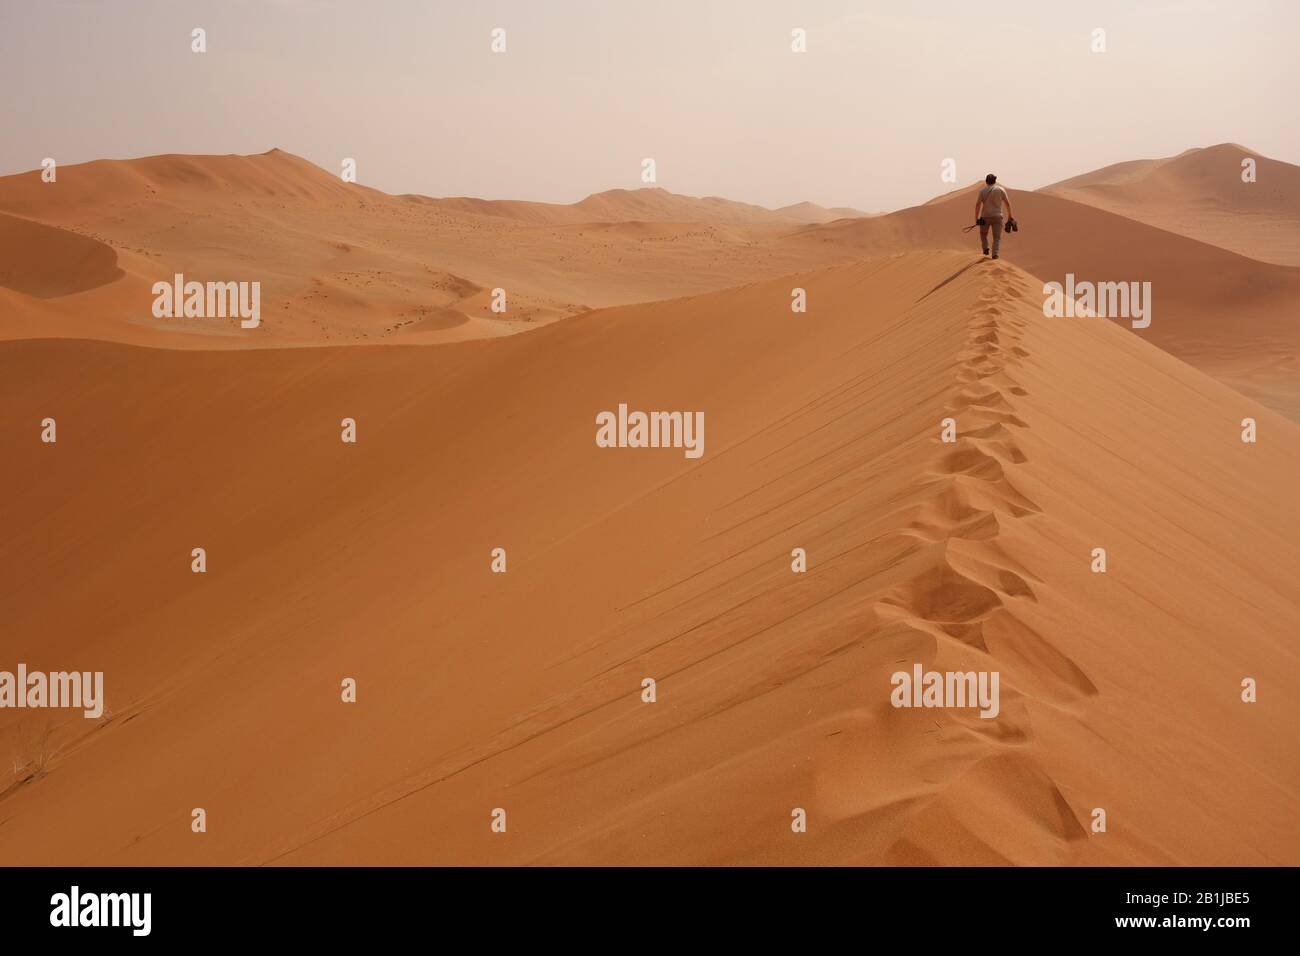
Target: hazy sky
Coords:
[[709, 88]]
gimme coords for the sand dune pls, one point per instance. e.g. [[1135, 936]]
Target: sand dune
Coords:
[[106, 190], [1200, 193], [1228, 315], [339, 262], [648, 204], [522, 690], [807, 212]]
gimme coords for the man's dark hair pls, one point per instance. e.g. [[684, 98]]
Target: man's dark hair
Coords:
[[990, 179]]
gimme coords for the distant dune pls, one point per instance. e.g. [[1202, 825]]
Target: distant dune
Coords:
[[650, 204], [340, 262], [805, 212], [1201, 194], [522, 691]]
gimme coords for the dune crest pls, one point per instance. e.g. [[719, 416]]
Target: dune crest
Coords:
[[1224, 313], [1203, 194]]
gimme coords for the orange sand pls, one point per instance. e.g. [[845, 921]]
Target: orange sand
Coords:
[[522, 690]]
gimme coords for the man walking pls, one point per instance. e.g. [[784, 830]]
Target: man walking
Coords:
[[989, 206]]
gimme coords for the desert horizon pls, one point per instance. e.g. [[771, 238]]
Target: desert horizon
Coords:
[[946, 521], [1242, 256]]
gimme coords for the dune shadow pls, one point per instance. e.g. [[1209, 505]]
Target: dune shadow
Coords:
[[47, 262]]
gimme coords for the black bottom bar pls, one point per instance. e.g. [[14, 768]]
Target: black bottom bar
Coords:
[[602, 906]]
